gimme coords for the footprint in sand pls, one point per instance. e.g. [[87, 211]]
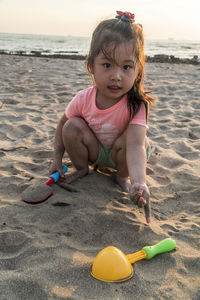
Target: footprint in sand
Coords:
[[170, 228], [19, 131], [20, 288], [11, 242]]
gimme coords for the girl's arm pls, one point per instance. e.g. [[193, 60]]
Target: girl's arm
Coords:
[[136, 162], [59, 148]]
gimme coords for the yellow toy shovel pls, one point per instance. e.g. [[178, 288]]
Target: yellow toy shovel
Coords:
[[112, 265]]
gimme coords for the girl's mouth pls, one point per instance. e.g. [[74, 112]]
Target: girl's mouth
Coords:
[[114, 88]]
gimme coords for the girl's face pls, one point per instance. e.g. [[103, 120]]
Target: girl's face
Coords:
[[114, 76]]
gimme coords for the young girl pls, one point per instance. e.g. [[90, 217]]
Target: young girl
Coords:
[[106, 123]]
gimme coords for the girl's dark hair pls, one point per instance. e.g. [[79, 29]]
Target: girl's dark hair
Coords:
[[112, 33]]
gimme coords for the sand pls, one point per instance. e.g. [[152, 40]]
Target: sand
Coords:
[[46, 250]]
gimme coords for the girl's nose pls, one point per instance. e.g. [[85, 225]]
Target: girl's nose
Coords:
[[116, 75]]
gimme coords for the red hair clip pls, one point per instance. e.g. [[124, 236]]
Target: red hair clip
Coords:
[[125, 16]]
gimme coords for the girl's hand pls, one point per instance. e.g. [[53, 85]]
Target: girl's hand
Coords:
[[56, 166], [139, 194]]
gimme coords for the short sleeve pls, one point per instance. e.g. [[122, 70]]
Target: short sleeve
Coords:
[[73, 108], [140, 117]]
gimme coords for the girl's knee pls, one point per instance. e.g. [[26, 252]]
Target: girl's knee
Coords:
[[118, 153], [146, 142], [75, 122], [72, 127], [120, 144]]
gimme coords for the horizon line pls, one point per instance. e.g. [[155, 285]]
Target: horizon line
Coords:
[[80, 36]]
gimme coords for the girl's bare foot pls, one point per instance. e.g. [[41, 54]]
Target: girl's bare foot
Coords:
[[73, 176], [124, 183]]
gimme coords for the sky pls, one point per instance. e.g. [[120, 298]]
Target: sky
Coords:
[[161, 19]]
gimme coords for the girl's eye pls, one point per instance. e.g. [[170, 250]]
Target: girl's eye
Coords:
[[127, 67], [107, 65]]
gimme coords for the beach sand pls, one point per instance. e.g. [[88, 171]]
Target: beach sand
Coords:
[[46, 250]]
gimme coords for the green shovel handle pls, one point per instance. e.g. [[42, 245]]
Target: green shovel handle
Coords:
[[164, 246]]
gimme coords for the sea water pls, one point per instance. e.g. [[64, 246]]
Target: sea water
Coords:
[[67, 45]]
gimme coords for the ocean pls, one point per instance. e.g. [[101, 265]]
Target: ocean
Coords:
[[70, 45]]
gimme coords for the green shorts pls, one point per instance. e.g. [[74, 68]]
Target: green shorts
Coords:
[[104, 158]]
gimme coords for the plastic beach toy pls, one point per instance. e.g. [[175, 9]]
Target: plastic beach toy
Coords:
[[112, 265], [38, 193]]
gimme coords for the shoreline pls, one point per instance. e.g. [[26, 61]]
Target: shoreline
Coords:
[[158, 58]]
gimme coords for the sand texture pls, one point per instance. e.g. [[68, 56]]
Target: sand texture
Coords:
[[46, 250]]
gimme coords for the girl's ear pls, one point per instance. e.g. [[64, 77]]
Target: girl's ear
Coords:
[[90, 68]]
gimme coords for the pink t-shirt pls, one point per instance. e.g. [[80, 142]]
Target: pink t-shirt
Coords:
[[107, 124]]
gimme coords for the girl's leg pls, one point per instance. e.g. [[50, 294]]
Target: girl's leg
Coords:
[[81, 146], [118, 155]]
